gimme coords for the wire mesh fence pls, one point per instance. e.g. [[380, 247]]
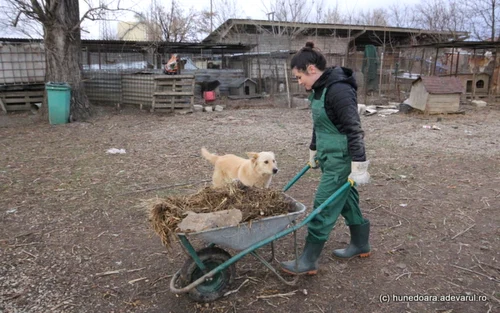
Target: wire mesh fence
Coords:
[[127, 77], [22, 63]]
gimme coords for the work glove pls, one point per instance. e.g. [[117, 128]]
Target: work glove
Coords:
[[359, 172], [312, 159]]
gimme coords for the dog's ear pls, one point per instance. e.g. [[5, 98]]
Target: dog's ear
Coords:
[[253, 156]]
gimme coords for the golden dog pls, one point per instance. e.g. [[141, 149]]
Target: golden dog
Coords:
[[256, 171]]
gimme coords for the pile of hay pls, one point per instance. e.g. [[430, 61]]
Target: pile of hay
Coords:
[[254, 203]]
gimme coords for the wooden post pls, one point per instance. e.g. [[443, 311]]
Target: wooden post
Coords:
[[258, 64], [435, 62], [389, 79], [381, 68], [192, 90], [287, 87], [277, 79], [99, 54], [155, 89], [490, 82], [347, 46], [452, 57], [422, 61], [2, 106], [172, 99], [498, 75], [474, 78], [381, 72], [89, 61]]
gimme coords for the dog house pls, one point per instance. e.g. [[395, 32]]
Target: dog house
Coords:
[[243, 87], [480, 82], [433, 94]]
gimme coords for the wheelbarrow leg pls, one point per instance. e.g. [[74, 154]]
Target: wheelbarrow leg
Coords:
[[272, 252], [272, 269], [192, 252]]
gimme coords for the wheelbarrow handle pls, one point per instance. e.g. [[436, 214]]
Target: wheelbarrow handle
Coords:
[[299, 175]]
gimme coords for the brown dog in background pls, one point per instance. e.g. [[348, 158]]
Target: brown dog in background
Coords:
[[256, 171]]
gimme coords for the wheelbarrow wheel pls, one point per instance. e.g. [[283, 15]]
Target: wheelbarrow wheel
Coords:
[[216, 286]]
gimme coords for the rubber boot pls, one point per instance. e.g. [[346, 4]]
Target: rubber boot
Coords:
[[307, 263], [359, 245]]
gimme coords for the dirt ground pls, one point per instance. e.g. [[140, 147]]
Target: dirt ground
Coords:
[[74, 234]]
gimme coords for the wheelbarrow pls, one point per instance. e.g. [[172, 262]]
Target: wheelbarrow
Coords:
[[208, 272]]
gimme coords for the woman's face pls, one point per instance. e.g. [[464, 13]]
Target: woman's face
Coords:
[[307, 78]]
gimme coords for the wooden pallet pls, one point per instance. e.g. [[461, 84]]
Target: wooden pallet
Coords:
[[21, 100], [173, 92]]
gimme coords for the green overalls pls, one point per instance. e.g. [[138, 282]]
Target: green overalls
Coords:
[[335, 164]]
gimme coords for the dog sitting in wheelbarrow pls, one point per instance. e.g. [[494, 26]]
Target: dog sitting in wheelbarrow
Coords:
[[256, 171]]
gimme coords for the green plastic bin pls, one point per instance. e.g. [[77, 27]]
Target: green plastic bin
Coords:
[[58, 101]]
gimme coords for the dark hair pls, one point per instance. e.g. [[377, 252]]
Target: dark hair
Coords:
[[306, 56]]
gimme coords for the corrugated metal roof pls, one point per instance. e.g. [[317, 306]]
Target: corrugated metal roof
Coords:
[[441, 85], [366, 34], [95, 45]]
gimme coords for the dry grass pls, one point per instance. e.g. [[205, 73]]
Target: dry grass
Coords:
[[254, 203]]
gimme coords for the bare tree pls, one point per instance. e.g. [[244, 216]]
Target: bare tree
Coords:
[[333, 15], [204, 25], [401, 15], [441, 15], [172, 23], [224, 10], [221, 10], [483, 17], [60, 22], [13, 22], [290, 10], [376, 17], [294, 11], [319, 11]]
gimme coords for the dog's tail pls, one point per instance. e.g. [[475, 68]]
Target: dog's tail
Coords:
[[209, 156]]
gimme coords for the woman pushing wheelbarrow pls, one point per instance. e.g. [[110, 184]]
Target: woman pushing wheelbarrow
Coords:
[[337, 148]]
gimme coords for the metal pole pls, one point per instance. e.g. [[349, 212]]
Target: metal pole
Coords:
[[211, 17]]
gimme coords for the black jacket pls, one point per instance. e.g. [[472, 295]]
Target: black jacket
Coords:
[[341, 106]]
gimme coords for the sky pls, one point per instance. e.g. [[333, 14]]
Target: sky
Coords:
[[254, 9]]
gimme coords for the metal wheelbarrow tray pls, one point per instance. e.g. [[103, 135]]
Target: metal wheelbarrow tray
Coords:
[[244, 235]]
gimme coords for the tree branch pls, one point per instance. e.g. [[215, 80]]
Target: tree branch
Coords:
[[38, 10]]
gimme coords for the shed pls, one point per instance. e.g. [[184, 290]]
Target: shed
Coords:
[[433, 94], [243, 87]]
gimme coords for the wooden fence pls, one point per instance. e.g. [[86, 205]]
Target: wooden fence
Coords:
[[21, 98]]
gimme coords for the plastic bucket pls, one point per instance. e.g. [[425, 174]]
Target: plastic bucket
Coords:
[[209, 95]]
